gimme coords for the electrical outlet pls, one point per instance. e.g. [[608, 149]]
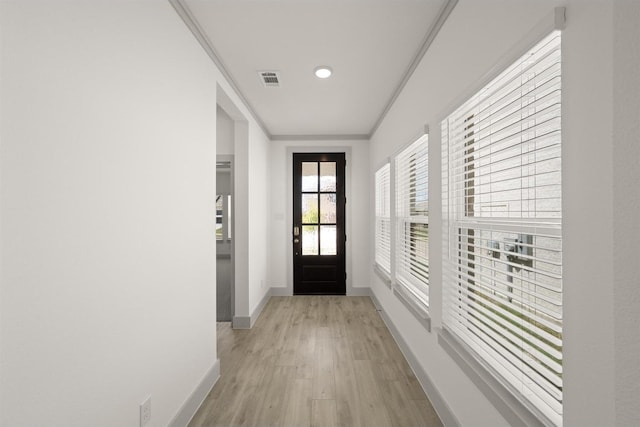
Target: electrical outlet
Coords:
[[145, 412]]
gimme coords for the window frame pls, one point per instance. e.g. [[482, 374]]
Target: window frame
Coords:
[[383, 214], [411, 277], [416, 304], [455, 216]]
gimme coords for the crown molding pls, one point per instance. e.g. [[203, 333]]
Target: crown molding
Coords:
[[445, 11], [190, 21], [336, 137]]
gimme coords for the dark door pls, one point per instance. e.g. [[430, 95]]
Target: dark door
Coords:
[[318, 224]]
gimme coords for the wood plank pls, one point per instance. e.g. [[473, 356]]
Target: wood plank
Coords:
[[372, 405], [323, 413], [291, 341], [428, 415], [323, 373], [400, 408], [270, 396], [347, 393], [306, 350], [297, 409]]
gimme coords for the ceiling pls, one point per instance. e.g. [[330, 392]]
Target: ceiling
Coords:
[[371, 45]]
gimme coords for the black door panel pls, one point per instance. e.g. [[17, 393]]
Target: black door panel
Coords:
[[319, 224]]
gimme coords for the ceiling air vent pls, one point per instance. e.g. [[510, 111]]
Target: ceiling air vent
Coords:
[[270, 78]]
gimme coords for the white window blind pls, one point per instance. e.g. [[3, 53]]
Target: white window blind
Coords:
[[502, 232], [383, 218], [412, 220]]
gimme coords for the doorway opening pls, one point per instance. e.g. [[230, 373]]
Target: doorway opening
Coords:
[[225, 289]]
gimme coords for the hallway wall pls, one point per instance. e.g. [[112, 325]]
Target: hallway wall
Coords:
[[476, 37], [626, 176], [107, 195]]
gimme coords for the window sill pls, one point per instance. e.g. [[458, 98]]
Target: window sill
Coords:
[[503, 398], [383, 275], [415, 308]]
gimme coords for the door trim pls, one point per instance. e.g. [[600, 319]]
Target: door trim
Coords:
[[289, 209]]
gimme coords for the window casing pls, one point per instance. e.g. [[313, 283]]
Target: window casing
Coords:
[[412, 221], [502, 228], [383, 219]]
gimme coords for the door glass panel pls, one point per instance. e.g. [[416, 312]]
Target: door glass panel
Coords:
[[309, 240], [328, 240], [309, 176], [327, 176], [328, 208], [309, 208]]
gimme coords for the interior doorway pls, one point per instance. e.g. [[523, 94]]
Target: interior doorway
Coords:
[[225, 289]]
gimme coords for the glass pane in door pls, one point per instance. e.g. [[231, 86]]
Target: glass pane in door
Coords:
[[328, 240], [328, 208], [327, 176], [309, 240], [310, 208], [309, 176]]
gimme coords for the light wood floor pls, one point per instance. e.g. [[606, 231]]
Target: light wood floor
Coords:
[[314, 361]]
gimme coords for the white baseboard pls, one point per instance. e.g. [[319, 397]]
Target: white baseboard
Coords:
[[193, 402], [281, 292], [439, 404], [241, 322], [247, 322], [359, 292], [352, 292]]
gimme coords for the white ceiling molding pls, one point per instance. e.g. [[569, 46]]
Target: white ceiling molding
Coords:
[[183, 11], [354, 137], [430, 37]]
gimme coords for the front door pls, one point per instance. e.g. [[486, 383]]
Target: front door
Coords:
[[318, 224]]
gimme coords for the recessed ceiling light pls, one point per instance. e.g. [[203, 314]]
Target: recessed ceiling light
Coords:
[[323, 72]]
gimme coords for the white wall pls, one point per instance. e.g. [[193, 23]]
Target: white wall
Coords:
[[477, 36], [224, 132], [281, 207], [626, 197], [259, 171], [107, 174]]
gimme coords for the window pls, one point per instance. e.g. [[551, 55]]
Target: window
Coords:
[[412, 222], [502, 228], [383, 219]]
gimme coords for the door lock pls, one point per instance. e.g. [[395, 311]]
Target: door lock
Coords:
[[296, 240]]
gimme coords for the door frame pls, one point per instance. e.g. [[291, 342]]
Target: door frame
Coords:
[[289, 211], [320, 262]]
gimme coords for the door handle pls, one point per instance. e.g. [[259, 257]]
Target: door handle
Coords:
[[296, 231]]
